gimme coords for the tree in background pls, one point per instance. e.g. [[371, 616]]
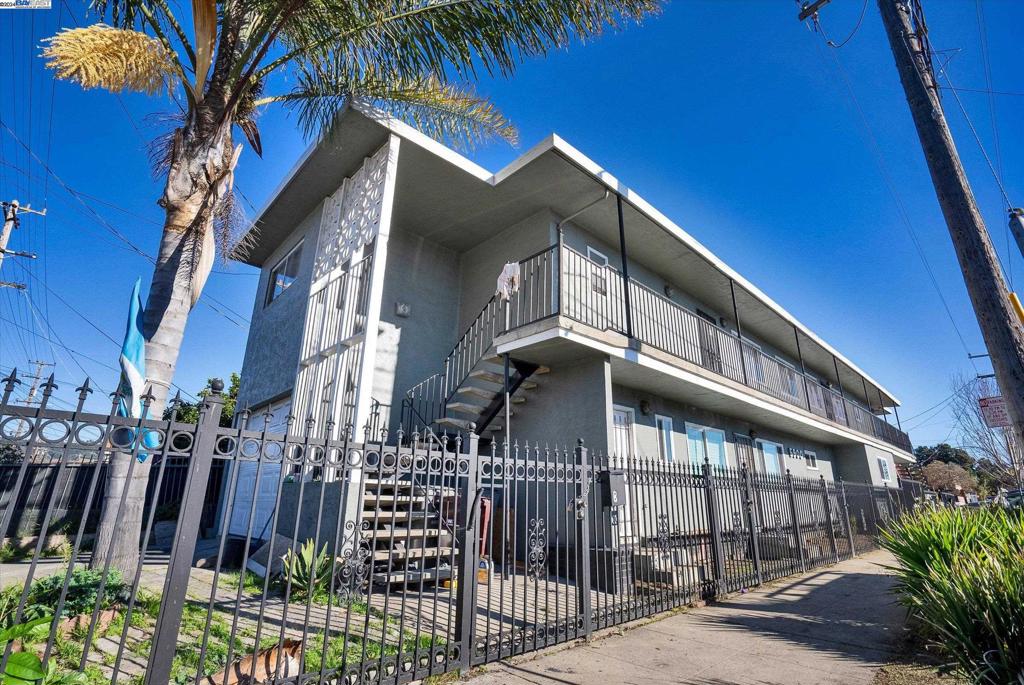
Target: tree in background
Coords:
[[946, 477], [225, 60], [997, 458], [188, 412]]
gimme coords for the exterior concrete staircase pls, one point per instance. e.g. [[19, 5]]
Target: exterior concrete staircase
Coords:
[[405, 524], [480, 399]]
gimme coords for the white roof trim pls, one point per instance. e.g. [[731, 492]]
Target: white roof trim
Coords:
[[554, 142]]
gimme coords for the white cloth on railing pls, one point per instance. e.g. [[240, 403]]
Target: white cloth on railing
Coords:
[[508, 281]]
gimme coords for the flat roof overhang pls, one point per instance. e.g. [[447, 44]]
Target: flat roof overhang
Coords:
[[451, 200]]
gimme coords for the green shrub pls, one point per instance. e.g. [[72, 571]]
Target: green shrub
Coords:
[[81, 595], [961, 574]]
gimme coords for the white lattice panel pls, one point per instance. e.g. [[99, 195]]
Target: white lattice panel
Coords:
[[351, 215]]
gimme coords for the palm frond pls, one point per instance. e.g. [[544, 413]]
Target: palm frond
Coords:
[[442, 111], [100, 56], [436, 36], [204, 20]]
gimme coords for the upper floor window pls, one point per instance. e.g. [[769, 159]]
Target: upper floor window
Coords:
[[598, 281], [665, 449], [883, 468], [284, 273]]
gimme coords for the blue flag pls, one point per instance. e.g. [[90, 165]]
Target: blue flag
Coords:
[[133, 367]]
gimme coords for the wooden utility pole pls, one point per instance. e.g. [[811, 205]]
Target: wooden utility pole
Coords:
[[11, 210], [1000, 327]]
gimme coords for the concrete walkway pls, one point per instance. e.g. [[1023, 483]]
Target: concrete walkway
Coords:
[[833, 625]]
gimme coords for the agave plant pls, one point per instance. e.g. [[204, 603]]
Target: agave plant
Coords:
[[306, 570], [226, 60]]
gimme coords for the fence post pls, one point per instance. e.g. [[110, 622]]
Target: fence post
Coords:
[[583, 544], [753, 524], [165, 634], [467, 535], [714, 527], [846, 517], [797, 537], [828, 518]]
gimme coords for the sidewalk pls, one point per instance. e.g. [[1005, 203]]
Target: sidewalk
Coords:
[[834, 625]]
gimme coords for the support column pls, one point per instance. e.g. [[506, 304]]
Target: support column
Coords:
[[842, 395], [625, 269], [803, 369], [739, 330]]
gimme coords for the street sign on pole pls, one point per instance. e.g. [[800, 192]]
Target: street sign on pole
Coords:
[[994, 411]]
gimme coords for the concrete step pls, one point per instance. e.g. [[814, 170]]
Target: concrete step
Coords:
[[488, 376], [483, 393], [371, 515], [458, 424], [403, 552], [467, 407], [408, 576]]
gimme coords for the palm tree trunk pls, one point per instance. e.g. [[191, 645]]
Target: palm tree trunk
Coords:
[[199, 163]]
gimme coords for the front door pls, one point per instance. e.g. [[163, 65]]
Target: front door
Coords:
[[624, 447], [623, 432]]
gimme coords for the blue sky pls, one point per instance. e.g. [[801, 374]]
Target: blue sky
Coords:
[[731, 117]]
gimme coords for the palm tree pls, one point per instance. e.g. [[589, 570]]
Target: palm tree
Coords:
[[406, 57]]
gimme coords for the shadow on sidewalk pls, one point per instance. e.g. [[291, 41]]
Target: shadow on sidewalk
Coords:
[[849, 615]]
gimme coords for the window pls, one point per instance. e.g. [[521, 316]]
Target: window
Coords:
[[284, 273], [812, 459], [664, 424], [883, 468], [702, 442], [598, 281], [772, 457]]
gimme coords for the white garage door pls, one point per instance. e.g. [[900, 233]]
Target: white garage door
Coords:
[[246, 487]]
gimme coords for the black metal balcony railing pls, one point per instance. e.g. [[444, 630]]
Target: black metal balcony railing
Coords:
[[560, 281], [592, 294]]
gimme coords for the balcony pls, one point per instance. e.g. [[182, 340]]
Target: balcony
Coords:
[[559, 281]]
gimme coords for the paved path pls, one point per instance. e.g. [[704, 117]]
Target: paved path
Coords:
[[834, 625]]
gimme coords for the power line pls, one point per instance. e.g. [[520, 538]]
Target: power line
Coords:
[[985, 90], [120, 236], [901, 209], [977, 139]]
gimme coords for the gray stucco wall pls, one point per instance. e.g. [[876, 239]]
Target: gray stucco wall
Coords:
[[275, 334], [859, 464], [424, 276], [481, 264], [646, 432], [571, 402]]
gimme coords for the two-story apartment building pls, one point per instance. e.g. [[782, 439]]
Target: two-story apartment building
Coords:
[[380, 256]]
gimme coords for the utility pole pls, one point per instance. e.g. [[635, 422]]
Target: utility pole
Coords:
[[11, 221], [35, 380], [1000, 327]]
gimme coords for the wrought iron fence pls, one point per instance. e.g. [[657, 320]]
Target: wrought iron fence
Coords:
[[352, 560]]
